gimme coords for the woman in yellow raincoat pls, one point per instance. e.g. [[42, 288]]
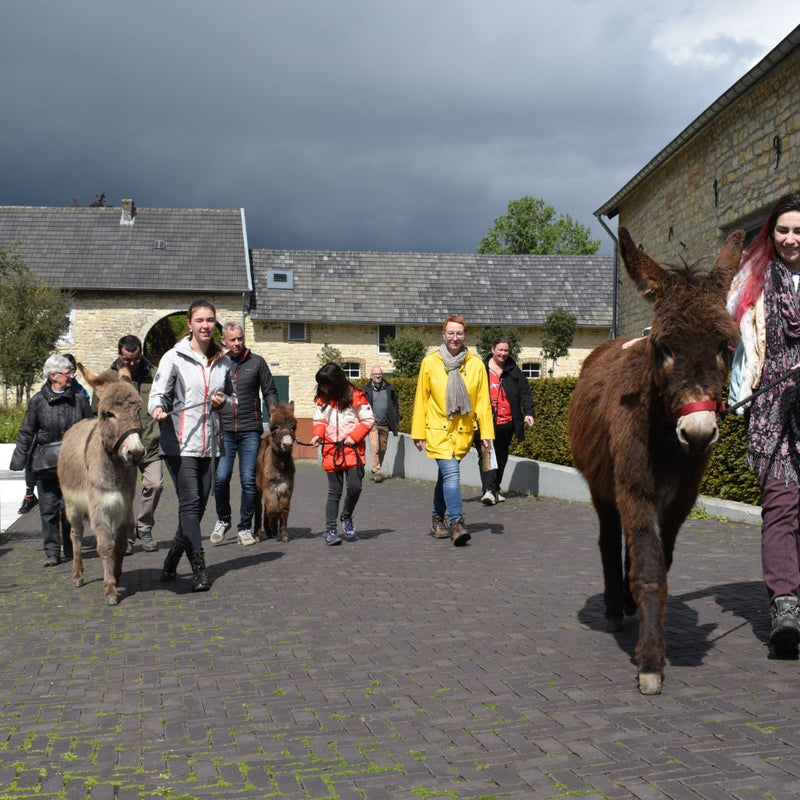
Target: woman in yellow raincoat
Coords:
[[452, 400]]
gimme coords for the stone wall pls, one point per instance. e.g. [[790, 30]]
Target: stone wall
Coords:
[[678, 212]]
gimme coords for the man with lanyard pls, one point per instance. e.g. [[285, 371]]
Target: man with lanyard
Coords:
[[383, 399], [241, 432]]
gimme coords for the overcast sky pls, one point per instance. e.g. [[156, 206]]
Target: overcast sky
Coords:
[[360, 124]]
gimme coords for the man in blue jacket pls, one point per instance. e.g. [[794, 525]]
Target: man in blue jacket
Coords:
[[242, 427]]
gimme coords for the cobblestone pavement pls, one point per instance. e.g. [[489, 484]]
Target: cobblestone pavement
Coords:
[[396, 667]]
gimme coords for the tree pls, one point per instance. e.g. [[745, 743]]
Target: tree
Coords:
[[407, 350], [330, 355], [33, 318], [98, 202], [488, 335], [532, 227], [559, 331]]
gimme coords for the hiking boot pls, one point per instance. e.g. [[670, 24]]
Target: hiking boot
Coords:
[[129, 548], [378, 478], [332, 536], [148, 542], [460, 535], [349, 528], [246, 537], [200, 581], [438, 528], [29, 502], [218, 534], [785, 631], [488, 498], [170, 568], [52, 561]]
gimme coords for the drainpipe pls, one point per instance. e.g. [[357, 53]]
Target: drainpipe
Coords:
[[616, 275]]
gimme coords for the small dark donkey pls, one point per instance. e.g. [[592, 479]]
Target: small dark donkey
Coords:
[[97, 473], [642, 421], [275, 473]]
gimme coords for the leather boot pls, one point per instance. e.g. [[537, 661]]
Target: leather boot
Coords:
[[200, 581], [785, 630], [459, 532], [170, 568]]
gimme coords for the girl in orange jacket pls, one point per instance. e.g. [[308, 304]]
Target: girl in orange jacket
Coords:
[[342, 419]]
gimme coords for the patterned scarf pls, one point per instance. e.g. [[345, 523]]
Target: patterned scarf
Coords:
[[772, 443], [456, 398]]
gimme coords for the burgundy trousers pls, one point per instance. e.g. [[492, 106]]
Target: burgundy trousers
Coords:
[[780, 536]]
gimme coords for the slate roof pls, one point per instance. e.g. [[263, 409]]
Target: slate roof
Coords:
[[424, 288], [205, 250]]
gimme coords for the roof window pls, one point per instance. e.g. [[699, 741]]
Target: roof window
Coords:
[[280, 279]]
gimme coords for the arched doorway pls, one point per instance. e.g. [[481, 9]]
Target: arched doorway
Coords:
[[163, 335]]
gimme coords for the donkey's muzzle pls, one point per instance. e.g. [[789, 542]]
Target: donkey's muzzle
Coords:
[[697, 431]]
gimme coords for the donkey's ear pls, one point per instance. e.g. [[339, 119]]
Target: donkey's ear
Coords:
[[728, 260], [88, 375], [125, 373], [291, 405], [647, 275]]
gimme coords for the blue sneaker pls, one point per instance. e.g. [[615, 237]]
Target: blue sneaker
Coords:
[[332, 537], [349, 528]]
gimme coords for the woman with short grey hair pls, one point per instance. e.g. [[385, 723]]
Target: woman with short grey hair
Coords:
[[54, 409]]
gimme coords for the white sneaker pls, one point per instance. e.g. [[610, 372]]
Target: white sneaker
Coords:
[[246, 537], [499, 498], [218, 534], [488, 498]]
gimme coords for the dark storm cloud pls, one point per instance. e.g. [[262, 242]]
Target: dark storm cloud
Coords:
[[356, 125]]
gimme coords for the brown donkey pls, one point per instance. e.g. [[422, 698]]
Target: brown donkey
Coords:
[[642, 421], [97, 473], [275, 472]]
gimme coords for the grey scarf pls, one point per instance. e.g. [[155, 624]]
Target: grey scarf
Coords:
[[456, 394]]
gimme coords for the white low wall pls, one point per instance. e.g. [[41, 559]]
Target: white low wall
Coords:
[[538, 478]]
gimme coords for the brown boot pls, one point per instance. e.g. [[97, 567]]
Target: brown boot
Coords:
[[460, 535], [438, 528]]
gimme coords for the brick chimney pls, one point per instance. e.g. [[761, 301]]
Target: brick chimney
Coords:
[[128, 213]]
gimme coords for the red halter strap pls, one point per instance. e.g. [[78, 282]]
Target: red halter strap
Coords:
[[717, 406]]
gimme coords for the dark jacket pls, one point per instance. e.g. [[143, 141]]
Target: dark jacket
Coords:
[[143, 381], [250, 374], [394, 406], [47, 418], [518, 392]]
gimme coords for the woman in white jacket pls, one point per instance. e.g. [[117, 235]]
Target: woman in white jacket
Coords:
[[192, 381]]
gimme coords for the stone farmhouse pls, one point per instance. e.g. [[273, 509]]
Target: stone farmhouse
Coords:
[[723, 172], [129, 268]]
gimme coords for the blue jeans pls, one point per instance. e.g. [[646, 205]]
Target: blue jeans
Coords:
[[447, 494], [246, 445]]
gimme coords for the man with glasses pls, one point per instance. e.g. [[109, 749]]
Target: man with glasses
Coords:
[[130, 355]]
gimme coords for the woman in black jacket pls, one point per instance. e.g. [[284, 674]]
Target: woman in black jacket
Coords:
[[51, 411], [512, 408]]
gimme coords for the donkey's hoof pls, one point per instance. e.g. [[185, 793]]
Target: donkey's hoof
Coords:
[[650, 683], [614, 624], [112, 599], [77, 583], [284, 538]]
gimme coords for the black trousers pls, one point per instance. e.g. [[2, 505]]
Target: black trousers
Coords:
[[491, 479]]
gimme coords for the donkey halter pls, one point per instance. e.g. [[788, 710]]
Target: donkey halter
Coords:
[[717, 406], [124, 436]]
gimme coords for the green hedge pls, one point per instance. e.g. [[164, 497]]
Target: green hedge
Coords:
[[10, 420]]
